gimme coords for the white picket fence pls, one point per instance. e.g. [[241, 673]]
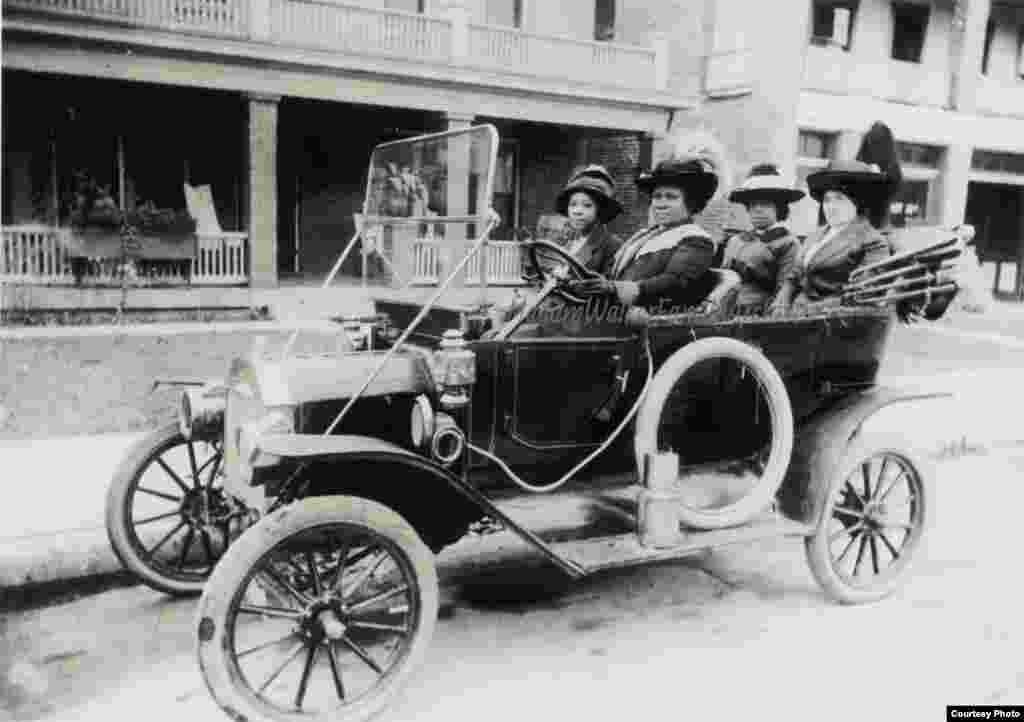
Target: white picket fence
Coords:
[[36, 255]]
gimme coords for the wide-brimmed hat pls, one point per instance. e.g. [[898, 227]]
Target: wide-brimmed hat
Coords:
[[870, 180], [595, 181], [851, 177], [765, 182], [695, 176]]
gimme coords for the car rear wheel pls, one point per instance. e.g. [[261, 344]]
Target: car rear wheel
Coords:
[[875, 516], [320, 611]]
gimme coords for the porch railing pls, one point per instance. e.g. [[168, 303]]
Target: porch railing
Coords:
[[37, 255], [221, 259], [504, 265], [34, 254]]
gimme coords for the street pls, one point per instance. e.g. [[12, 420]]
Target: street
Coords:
[[742, 630]]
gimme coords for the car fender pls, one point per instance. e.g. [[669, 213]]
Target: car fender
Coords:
[[437, 503], [822, 442]]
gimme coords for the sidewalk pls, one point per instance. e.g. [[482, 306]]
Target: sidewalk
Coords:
[[52, 528]]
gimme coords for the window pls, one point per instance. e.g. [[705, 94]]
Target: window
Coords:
[[909, 26], [832, 23], [1020, 51], [995, 162], [815, 144], [604, 20], [990, 33], [919, 154], [507, 13]]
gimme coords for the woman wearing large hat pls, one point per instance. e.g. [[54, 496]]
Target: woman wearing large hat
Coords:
[[854, 196], [588, 200], [666, 265], [766, 255]]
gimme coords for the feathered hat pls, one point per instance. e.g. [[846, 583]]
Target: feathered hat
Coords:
[[765, 182], [697, 164], [595, 181], [870, 180]]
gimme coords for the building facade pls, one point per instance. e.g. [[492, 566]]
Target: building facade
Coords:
[[947, 76], [276, 105]]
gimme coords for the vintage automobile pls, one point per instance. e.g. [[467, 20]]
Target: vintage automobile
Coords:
[[678, 432]]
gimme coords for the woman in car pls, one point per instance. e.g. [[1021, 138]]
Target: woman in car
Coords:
[[854, 197], [767, 254], [588, 200], [665, 266]]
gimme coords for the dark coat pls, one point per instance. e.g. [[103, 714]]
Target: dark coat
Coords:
[[598, 253], [764, 261], [859, 244], [670, 264]]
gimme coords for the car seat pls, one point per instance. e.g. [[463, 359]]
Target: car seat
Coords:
[[722, 297]]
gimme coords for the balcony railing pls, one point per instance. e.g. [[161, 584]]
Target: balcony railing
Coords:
[[37, 255], [352, 29], [509, 49], [217, 17]]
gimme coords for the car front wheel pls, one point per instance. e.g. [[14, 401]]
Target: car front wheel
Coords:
[[320, 611]]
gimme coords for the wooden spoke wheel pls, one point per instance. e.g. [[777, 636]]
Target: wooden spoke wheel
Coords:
[[167, 516], [320, 611], [877, 511]]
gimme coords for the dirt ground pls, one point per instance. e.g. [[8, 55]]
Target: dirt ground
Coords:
[[96, 384]]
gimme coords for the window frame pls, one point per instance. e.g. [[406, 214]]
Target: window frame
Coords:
[[829, 40], [609, 34], [924, 10]]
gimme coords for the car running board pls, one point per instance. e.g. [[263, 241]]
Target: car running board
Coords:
[[625, 550]]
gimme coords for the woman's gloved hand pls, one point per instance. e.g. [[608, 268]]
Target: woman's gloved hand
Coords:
[[625, 291]]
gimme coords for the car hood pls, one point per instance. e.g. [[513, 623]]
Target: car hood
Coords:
[[303, 379]]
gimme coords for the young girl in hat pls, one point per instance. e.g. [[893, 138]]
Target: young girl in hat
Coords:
[[589, 203], [854, 197], [766, 255]]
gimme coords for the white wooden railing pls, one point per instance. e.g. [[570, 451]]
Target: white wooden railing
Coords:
[[220, 17], [37, 255], [34, 254], [448, 39], [355, 29], [504, 264], [513, 50], [221, 259]]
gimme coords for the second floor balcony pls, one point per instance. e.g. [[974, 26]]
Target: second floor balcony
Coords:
[[450, 41]]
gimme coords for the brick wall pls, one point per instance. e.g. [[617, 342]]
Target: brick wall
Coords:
[[621, 155]]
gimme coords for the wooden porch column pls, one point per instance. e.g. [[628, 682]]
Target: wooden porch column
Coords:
[[262, 190]]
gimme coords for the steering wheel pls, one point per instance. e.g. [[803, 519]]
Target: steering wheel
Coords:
[[569, 269]]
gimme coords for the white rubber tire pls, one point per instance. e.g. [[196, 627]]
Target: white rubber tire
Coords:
[[646, 439], [232, 572]]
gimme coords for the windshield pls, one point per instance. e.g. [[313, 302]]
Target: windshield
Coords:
[[427, 203]]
